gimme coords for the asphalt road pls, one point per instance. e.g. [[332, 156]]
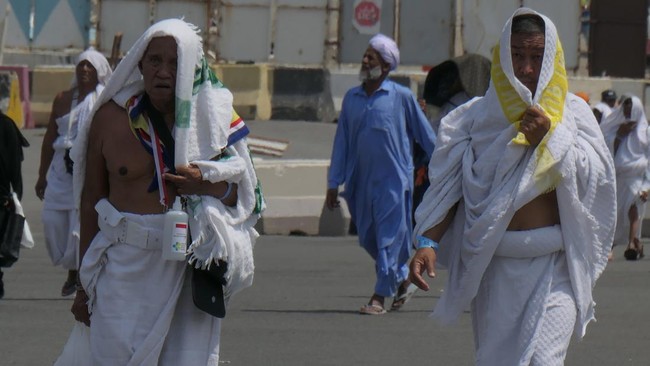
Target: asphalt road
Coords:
[[303, 309]]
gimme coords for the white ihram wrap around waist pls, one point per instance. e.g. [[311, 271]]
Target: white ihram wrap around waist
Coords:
[[530, 243], [132, 291], [524, 312]]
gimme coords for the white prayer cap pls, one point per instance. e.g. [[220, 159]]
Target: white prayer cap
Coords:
[[387, 49], [99, 62]]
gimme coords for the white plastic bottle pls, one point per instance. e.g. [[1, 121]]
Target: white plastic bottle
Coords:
[[175, 233]]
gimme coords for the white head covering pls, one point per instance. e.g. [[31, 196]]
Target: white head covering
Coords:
[[387, 49], [604, 109], [99, 62], [634, 148], [190, 51], [551, 44]]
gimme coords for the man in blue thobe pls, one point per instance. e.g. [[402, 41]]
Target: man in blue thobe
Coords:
[[373, 156]]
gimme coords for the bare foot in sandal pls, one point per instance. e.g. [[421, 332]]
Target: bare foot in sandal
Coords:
[[374, 307]]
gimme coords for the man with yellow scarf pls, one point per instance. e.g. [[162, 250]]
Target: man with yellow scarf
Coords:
[[521, 207]]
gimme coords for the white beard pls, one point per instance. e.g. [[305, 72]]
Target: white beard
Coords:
[[372, 74]]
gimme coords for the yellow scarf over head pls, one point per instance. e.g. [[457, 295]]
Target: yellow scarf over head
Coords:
[[551, 101]]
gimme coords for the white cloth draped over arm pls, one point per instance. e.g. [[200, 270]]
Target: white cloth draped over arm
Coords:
[[226, 233], [587, 201]]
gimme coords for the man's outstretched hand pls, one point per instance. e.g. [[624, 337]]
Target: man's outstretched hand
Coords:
[[424, 259]]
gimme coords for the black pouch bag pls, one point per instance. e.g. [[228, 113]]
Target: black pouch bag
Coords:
[[207, 289], [11, 233]]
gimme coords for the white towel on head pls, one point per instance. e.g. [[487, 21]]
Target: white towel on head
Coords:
[[99, 62]]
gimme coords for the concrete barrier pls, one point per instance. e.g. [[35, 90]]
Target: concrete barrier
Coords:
[[250, 87], [302, 94], [295, 195]]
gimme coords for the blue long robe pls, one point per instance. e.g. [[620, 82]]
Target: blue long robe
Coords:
[[373, 156]]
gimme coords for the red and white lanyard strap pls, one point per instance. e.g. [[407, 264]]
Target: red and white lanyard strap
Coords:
[[160, 165]]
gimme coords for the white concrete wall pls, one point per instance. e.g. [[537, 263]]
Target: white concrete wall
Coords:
[[295, 195]]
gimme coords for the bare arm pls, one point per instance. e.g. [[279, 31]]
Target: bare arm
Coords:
[[95, 188], [425, 258], [47, 151]]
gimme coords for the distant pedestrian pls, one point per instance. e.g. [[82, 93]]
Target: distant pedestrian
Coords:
[[11, 180], [373, 156], [454, 82], [607, 103], [448, 86], [54, 185], [626, 134]]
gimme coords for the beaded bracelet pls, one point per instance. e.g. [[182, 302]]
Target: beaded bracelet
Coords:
[[228, 191], [424, 242]]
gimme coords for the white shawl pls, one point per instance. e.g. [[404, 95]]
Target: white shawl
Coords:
[[480, 162], [203, 122]]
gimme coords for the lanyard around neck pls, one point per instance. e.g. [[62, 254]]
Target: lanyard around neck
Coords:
[[160, 165]]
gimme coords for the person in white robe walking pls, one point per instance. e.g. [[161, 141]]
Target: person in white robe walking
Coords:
[[626, 134], [521, 205], [164, 128], [606, 105], [54, 184]]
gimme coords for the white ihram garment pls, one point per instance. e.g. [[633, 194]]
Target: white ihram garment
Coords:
[[631, 162], [477, 165], [125, 273], [60, 219], [543, 297], [141, 305]]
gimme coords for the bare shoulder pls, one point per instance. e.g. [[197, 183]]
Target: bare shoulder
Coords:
[[64, 97], [107, 119], [62, 103], [108, 114]]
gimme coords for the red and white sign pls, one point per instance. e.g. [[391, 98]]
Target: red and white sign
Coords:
[[366, 16]]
